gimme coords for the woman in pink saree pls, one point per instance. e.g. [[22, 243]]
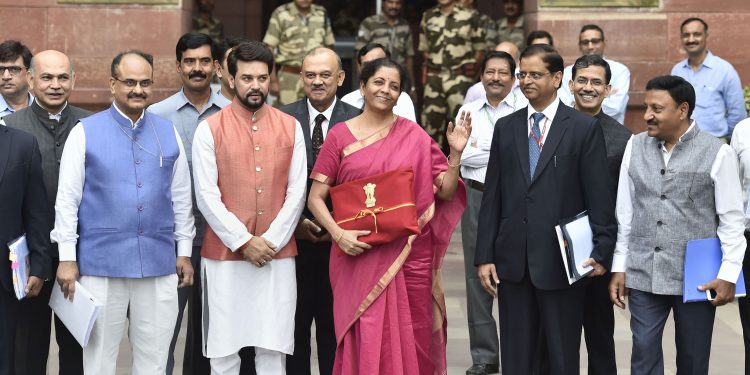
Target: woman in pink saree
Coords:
[[389, 307]]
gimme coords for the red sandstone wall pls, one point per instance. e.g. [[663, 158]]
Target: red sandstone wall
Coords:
[[91, 35], [647, 39]]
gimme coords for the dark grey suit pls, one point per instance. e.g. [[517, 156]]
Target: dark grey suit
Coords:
[[314, 295], [516, 232], [23, 209]]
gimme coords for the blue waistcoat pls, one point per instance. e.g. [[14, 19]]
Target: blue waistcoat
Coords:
[[125, 219]]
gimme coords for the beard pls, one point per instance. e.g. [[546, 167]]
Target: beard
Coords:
[[252, 104]]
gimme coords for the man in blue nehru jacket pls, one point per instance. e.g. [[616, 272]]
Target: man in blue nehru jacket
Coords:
[[124, 200]]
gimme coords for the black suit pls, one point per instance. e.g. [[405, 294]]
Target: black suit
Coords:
[[598, 315], [314, 295], [516, 232], [23, 209]]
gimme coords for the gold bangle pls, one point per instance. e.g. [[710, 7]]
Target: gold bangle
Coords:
[[453, 165], [338, 238]]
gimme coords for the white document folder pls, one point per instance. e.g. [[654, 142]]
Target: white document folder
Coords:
[[78, 315], [19, 265], [576, 243]]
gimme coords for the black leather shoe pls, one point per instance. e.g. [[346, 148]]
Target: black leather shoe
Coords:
[[482, 369]]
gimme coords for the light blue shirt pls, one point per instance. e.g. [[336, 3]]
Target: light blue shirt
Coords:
[[185, 117], [5, 109], [719, 103]]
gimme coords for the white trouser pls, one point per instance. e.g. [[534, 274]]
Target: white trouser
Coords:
[[267, 362], [150, 304]]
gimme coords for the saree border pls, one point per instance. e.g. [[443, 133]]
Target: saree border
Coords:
[[367, 141], [323, 179], [391, 272]]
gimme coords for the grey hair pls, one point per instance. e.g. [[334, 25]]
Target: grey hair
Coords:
[[318, 50]]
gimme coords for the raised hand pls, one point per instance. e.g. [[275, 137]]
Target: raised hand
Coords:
[[458, 135]]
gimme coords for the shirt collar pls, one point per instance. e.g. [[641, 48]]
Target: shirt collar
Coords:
[[58, 115], [127, 119], [708, 62], [5, 107], [327, 113], [548, 112]]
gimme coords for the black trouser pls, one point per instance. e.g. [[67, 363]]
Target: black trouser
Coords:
[[33, 334], [314, 302], [8, 318], [599, 327], [525, 311]]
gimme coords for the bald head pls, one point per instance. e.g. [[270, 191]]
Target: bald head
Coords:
[[50, 58], [326, 52], [51, 79], [510, 49]]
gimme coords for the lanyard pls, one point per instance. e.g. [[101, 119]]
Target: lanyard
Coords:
[[540, 139]]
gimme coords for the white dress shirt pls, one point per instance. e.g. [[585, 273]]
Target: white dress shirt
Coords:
[[549, 115], [614, 105], [476, 155], [741, 145], [313, 113], [728, 200], [231, 231], [404, 106], [70, 193]]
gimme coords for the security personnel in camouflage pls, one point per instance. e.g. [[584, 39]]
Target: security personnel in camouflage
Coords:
[[452, 41], [489, 25], [510, 27], [295, 28], [391, 31], [204, 21]]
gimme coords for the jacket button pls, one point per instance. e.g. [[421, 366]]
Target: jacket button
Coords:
[[260, 212], [662, 171], [137, 161], [659, 223], [57, 144], [140, 208], [524, 221], [257, 148], [657, 248], [258, 169], [663, 197], [140, 184], [140, 232], [255, 128]]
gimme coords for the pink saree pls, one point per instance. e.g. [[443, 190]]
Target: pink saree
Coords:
[[388, 303]]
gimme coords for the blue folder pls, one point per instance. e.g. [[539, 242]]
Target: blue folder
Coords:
[[702, 263]]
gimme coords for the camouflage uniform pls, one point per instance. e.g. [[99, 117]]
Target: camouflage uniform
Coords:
[[292, 35], [450, 42], [490, 28], [514, 36], [398, 39], [213, 28]]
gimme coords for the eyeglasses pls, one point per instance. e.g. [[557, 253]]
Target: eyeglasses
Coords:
[[133, 83], [534, 75], [14, 70], [594, 82], [586, 42]]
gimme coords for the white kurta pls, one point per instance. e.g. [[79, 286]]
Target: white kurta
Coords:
[[244, 305]]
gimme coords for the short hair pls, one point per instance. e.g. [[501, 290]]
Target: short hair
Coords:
[[678, 88], [369, 47], [228, 43], [694, 19], [317, 50], [247, 52], [193, 40], [592, 27], [538, 34], [549, 55], [586, 61], [11, 50], [370, 68], [116, 61], [499, 55]]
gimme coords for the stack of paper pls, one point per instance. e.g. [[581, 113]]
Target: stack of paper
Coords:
[[19, 265], [576, 243], [78, 315]]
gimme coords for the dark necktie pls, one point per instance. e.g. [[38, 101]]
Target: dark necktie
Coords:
[[535, 140], [317, 135]]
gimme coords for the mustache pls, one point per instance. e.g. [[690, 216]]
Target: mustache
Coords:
[[254, 92], [197, 74], [496, 83], [134, 95], [652, 122]]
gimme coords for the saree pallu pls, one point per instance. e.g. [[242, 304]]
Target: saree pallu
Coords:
[[389, 307]]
